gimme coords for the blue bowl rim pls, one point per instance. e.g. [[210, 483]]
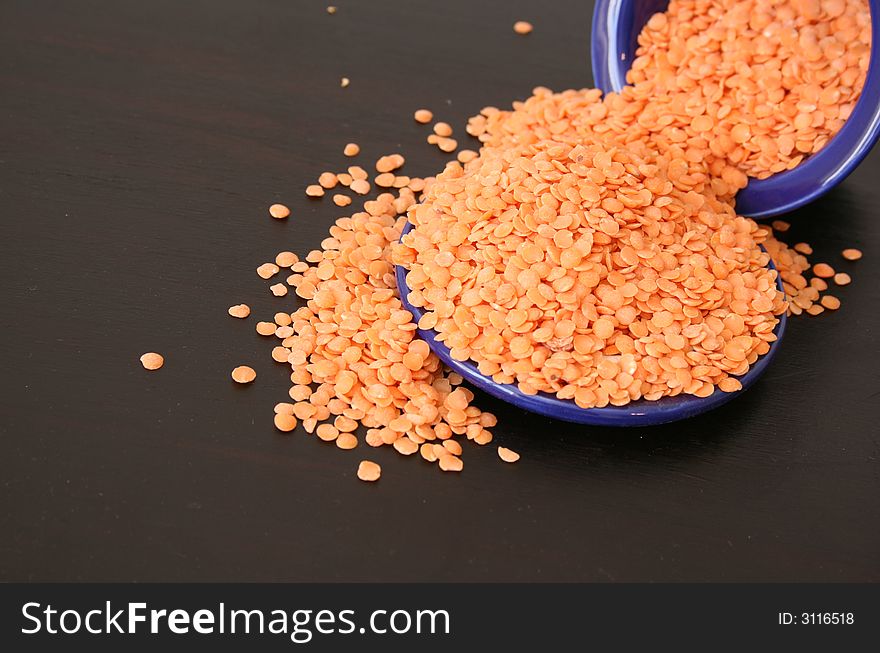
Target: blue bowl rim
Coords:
[[637, 413], [785, 191]]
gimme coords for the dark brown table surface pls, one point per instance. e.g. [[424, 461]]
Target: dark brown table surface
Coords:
[[140, 144]]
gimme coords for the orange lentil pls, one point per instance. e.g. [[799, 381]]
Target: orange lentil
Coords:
[[450, 463], [341, 200], [453, 447], [781, 226], [279, 211], [243, 374], [507, 455], [729, 384], [327, 432], [357, 172], [314, 190], [803, 248], [344, 82], [328, 180], [346, 441], [830, 302], [351, 149], [823, 270], [442, 129], [385, 180], [285, 422], [278, 289], [423, 116], [285, 259], [240, 310], [331, 9], [369, 471], [284, 408], [466, 155], [842, 279], [523, 27], [266, 328], [447, 144], [405, 446], [360, 186], [152, 361], [389, 163], [268, 270], [851, 254]]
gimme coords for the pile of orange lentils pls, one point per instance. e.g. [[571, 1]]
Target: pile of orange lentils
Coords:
[[590, 249]]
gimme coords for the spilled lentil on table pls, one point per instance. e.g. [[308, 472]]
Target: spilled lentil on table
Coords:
[[591, 248]]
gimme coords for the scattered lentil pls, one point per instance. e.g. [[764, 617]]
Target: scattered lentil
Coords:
[[442, 129], [268, 270], [285, 422], [852, 254], [341, 200], [823, 270], [523, 27], [360, 186], [842, 279], [240, 311], [152, 361], [243, 374], [830, 302], [351, 149], [266, 328], [369, 471], [278, 289], [279, 211], [344, 82], [423, 116], [507, 455]]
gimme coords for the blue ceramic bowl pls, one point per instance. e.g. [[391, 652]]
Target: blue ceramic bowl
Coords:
[[616, 26], [636, 413]]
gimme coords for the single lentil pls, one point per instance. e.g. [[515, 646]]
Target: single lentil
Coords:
[[507, 455], [243, 374], [423, 116], [442, 129], [830, 302], [278, 289], [369, 471], [240, 311], [279, 211], [152, 361], [852, 254], [268, 270]]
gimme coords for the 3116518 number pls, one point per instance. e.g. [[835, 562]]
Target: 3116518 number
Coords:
[[816, 618]]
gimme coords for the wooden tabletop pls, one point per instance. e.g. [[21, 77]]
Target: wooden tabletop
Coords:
[[140, 145]]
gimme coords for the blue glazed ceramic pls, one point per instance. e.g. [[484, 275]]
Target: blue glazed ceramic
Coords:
[[616, 26], [636, 413]]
